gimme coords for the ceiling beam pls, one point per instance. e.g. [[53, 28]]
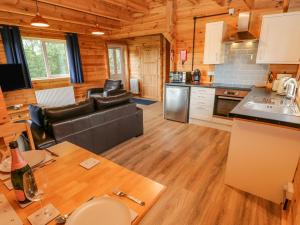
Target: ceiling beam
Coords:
[[220, 2], [27, 7], [132, 5], [250, 3], [24, 21], [94, 7], [194, 1]]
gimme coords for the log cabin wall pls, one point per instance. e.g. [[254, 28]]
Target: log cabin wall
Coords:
[[152, 22], [94, 61], [184, 31], [3, 111], [180, 33]]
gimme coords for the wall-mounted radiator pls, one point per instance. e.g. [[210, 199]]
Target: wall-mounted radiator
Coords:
[[134, 86], [55, 97]]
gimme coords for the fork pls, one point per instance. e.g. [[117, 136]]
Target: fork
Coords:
[[124, 194], [62, 219]]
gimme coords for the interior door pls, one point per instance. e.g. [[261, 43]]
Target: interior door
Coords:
[[150, 72]]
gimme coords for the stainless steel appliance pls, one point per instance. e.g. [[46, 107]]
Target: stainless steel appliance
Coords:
[[176, 105], [180, 77], [226, 100]]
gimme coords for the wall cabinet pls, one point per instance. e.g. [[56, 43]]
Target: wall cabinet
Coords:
[[279, 39], [213, 46], [202, 103]]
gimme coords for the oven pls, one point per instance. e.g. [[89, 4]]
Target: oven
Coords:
[[226, 100]]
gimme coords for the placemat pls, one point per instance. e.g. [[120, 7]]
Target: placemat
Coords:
[[8, 214]]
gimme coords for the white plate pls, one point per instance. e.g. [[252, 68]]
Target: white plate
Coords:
[[101, 211], [33, 158]]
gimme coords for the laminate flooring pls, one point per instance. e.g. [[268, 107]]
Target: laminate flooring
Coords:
[[190, 160]]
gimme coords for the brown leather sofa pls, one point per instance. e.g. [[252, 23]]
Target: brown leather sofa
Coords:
[[97, 124]]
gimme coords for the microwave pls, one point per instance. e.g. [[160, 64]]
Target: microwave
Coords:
[[180, 77]]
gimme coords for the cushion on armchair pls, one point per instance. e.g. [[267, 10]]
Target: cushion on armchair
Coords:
[[112, 85], [113, 100]]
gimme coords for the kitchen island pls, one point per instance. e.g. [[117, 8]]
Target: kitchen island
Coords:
[[264, 147]]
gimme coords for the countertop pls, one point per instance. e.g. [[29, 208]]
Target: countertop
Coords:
[[275, 118], [214, 85], [245, 113]]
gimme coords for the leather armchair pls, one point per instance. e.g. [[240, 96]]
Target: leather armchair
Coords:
[[111, 87]]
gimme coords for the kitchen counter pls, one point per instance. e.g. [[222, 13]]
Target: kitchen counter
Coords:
[[215, 85], [240, 111]]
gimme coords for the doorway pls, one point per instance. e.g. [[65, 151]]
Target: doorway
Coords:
[[116, 60]]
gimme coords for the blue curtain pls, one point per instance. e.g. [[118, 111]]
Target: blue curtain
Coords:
[[14, 50], [74, 58]]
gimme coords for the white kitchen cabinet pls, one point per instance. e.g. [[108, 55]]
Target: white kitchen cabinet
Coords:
[[279, 39], [262, 158], [202, 103], [214, 47]]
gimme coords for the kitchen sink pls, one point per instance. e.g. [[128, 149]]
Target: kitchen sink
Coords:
[[273, 106]]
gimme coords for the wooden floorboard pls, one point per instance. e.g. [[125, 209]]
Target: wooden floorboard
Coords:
[[190, 160]]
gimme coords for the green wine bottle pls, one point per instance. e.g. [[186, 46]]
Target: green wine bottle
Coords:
[[19, 166]]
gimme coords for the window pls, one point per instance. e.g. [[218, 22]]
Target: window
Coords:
[[115, 61], [46, 58]]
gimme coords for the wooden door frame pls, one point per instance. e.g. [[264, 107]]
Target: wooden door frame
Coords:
[[124, 52]]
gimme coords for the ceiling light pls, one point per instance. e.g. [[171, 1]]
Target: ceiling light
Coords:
[[38, 20], [97, 30]]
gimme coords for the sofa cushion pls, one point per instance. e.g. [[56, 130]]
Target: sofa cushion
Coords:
[[36, 115], [114, 100], [68, 112]]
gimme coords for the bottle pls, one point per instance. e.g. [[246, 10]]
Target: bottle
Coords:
[[19, 166]]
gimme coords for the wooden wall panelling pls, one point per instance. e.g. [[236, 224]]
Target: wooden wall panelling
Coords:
[[184, 30], [154, 22], [3, 112], [24, 96], [283, 68]]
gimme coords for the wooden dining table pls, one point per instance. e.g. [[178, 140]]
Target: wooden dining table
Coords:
[[70, 185]]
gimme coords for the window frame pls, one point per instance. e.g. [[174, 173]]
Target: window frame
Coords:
[[115, 72], [45, 57]]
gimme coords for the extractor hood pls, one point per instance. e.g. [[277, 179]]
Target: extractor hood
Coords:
[[243, 33]]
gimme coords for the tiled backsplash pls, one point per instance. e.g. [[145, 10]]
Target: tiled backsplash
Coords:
[[240, 65]]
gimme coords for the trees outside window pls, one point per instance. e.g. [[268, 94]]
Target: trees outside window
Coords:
[[46, 58], [115, 61]]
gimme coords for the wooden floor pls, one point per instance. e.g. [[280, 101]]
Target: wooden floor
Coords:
[[190, 160]]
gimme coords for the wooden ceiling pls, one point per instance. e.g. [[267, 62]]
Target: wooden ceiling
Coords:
[[73, 16], [81, 16]]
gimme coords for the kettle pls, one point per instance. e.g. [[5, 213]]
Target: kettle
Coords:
[[291, 88]]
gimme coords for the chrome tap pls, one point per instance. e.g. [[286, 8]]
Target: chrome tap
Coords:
[[291, 86]]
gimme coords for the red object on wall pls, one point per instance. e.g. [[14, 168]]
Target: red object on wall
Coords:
[[183, 56]]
